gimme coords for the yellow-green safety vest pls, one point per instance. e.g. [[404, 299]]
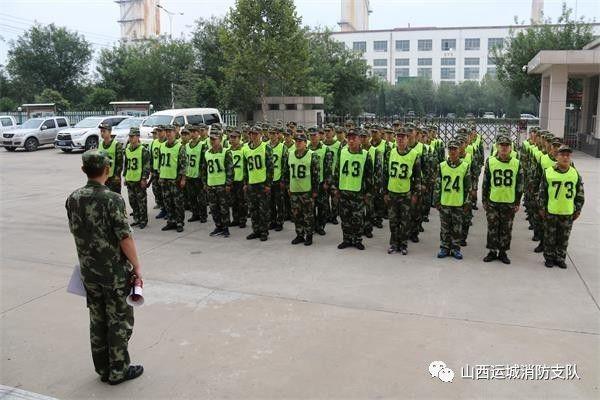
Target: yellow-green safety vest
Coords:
[[256, 160], [546, 162], [193, 154], [352, 168], [276, 156], [321, 152], [400, 169], [169, 161], [503, 182], [133, 163], [215, 167], [562, 187], [238, 165], [452, 190], [155, 150], [111, 152], [300, 172]]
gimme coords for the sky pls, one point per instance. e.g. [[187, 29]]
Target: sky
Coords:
[[97, 19]]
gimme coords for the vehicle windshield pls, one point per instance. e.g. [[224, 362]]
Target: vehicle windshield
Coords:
[[88, 123], [129, 123], [155, 120], [32, 123]]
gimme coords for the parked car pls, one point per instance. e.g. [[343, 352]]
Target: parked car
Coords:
[[33, 133], [529, 117], [450, 115], [470, 116], [488, 115], [7, 123], [85, 134], [411, 114], [121, 131], [180, 116]]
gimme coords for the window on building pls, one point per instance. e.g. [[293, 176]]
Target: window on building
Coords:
[[491, 71], [424, 72], [448, 44], [291, 106], [401, 73], [471, 60], [425, 45], [495, 42], [471, 73], [491, 60], [380, 45], [380, 72], [402, 45], [359, 46], [380, 62], [424, 61], [402, 62], [472, 44], [448, 61], [448, 73]]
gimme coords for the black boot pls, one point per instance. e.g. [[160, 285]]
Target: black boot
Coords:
[[491, 256], [502, 256], [308, 240], [298, 239]]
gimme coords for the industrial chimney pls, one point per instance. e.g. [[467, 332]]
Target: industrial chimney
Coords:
[[537, 12], [355, 15]]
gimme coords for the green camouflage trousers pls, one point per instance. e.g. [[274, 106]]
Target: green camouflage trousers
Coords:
[[399, 214], [322, 210], [277, 204], [466, 222], [138, 200], [500, 221], [335, 204], [352, 214], [369, 217], [416, 216], [259, 207], [218, 200], [557, 229], [451, 227], [111, 325], [239, 208], [196, 196], [173, 201], [158, 200], [114, 184], [302, 213], [379, 209]]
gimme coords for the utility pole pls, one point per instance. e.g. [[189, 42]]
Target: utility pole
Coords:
[[172, 95]]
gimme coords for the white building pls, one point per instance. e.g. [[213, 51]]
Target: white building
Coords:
[[452, 55]]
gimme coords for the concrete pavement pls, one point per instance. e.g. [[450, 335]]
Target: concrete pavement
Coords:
[[231, 318]]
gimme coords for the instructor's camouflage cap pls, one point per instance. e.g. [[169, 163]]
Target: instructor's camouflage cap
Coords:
[[503, 139], [300, 136], [453, 144], [106, 126], [95, 159], [565, 147], [133, 131]]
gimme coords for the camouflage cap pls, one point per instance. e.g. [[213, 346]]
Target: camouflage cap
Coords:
[[340, 129], [300, 129], [396, 122], [105, 126], [134, 131], [188, 126], [402, 132], [169, 127], [351, 132], [564, 148], [349, 122], [202, 126], [453, 144], [313, 132], [503, 139], [462, 130], [185, 131], [313, 129], [235, 132], [301, 136], [158, 128], [291, 123], [95, 159], [410, 126], [363, 132], [557, 141]]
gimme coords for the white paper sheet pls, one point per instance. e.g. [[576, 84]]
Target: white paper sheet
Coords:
[[75, 283]]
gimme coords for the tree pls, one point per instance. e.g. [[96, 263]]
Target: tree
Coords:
[[262, 43], [147, 70], [524, 44], [210, 61], [48, 57], [99, 98], [337, 74], [52, 96]]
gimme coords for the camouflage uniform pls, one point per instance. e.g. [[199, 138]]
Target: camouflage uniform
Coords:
[[155, 150], [195, 190], [105, 271], [172, 193], [218, 196], [239, 207], [352, 204], [372, 215], [258, 201], [114, 181], [277, 199], [400, 204], [500, 215], [138, 199], [557, 228], [416, 215], [451, 217], [322, 208], [302, 203]]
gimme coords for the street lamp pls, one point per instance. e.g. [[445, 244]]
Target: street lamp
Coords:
[[170, 14]]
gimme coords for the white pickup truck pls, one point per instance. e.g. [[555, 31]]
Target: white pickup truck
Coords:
[[7, 123]]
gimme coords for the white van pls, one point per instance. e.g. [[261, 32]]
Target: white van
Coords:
[[181, 116]]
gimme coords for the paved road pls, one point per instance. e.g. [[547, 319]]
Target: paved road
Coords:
[[244, 319]]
